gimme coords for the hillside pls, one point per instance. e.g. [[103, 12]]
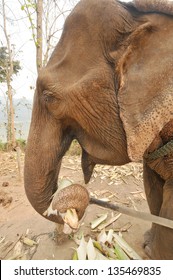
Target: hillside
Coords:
[[23, 109]]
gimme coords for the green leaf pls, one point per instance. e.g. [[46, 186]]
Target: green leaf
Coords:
[[127, 249], [75, 256], [121, 255]]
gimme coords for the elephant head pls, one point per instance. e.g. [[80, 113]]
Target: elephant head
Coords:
[[102, 86]]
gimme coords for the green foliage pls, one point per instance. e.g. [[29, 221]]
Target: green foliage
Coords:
[[5, 64], [19, 142], [3, 146], [30, 7], [29, 4], [75, 149]]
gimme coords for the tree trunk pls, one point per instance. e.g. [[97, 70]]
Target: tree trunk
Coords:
[[39, 35], [11, 141]]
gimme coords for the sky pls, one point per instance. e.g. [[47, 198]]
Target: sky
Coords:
[[24, 48], [20, 35]]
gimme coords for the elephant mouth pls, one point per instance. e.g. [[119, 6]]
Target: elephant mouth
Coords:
[[71, 198]]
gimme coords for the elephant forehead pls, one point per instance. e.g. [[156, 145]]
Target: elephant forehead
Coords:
[[90, 33], [94, 14], [91, 24]]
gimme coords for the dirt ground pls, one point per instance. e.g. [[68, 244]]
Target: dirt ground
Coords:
[[18, 219]]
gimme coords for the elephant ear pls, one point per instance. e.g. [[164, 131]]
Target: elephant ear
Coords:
[[146, 84]]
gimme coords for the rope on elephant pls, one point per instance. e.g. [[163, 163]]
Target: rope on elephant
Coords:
[[162, 151]]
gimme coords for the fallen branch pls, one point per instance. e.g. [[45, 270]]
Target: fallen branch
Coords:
[[12, 247]]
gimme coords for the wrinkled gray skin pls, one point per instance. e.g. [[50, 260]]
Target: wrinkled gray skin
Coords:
[[83, 94]]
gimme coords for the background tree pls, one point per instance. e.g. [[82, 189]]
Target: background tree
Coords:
[[34, 12], [8, 67], [39, 46], [46, 19], [5, 64]]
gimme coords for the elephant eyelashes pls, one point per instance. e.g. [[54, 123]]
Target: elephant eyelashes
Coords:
[[48, 96]]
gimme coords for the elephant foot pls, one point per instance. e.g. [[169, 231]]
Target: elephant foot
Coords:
[[148, 250], [148, 239]]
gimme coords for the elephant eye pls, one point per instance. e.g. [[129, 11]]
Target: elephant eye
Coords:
[[48, 96]]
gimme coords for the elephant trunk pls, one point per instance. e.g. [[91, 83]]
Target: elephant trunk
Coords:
[[44, 152], [39, 189]]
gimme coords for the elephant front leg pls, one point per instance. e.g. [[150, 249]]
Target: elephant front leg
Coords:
[[153, 185], [162, 237], [162, 245]]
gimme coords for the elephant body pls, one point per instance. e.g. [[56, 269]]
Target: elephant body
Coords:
[[108, 84]]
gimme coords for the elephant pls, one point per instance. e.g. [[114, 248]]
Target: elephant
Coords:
[[109, 85]]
